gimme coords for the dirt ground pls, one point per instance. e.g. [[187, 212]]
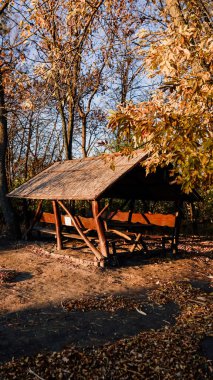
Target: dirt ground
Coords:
[[41, 307]]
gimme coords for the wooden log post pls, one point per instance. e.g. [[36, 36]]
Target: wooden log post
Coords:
[[57, 225], [179, 214], [100, 229], [35, 220]]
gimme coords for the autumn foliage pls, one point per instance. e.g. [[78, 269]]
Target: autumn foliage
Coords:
[[175, 124], [65, 64]]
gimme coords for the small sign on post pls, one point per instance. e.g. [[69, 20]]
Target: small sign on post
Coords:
[[68, 221]]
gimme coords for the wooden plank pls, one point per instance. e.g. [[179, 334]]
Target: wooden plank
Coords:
[[64, 234], [47, 231], [47, 217], [162, 220], [120, 216], [86, 223]]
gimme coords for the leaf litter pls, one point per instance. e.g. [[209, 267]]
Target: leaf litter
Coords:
[[173, 352], [7, 275]]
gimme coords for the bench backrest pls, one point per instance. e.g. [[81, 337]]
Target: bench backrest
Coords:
[[87, 223], [163, 220]]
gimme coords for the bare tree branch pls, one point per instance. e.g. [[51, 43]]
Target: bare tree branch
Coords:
[[4, 6]]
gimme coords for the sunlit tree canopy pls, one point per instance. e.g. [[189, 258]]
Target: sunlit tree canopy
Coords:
[[175, 124]]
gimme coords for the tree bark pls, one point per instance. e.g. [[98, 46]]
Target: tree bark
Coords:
[[70, 128], [64, 127], [72, 105], [5, 204], [83, 117], [83, 136]]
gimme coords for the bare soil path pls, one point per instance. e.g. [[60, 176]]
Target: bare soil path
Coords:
[[52, 303]]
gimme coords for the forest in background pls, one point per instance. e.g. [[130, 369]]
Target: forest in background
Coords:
[[65, 64]]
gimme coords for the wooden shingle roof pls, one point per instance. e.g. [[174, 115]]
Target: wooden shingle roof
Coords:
[[79, 179]]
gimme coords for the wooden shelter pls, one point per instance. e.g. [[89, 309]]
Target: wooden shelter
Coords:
[[93, 179]]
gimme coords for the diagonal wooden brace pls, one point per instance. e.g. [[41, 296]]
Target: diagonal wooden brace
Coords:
[[79, 230]]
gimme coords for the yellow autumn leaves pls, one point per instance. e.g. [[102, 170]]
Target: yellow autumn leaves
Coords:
[[178, 117]]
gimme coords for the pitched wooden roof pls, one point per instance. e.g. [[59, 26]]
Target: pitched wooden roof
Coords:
[[80, 179]]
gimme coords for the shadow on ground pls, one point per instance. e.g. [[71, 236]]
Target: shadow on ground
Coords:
[[21, 276], [156, 255], [50, 329]]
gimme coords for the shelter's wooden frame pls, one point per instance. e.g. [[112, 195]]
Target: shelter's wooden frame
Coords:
[[79, 223], [129, 221], [57, 224], [126, 225], [93, 179]]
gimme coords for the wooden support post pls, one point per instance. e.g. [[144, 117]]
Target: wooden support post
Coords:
[[35, 219], [57, 225], [175, 240], [131, 209], [193, 219], [100, 229], [78, 228]]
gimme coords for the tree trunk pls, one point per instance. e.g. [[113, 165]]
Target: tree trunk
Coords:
[[83, 136], [64, 126], [29, 138], [72, 106], [70, 128], [5, 205]]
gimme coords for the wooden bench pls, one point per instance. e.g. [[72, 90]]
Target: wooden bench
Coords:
[[88, 224], [145, 225], [133, 228]]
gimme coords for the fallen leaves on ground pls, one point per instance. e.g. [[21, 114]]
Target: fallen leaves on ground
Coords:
[[109, 303], [170, 353], [7, 275]]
